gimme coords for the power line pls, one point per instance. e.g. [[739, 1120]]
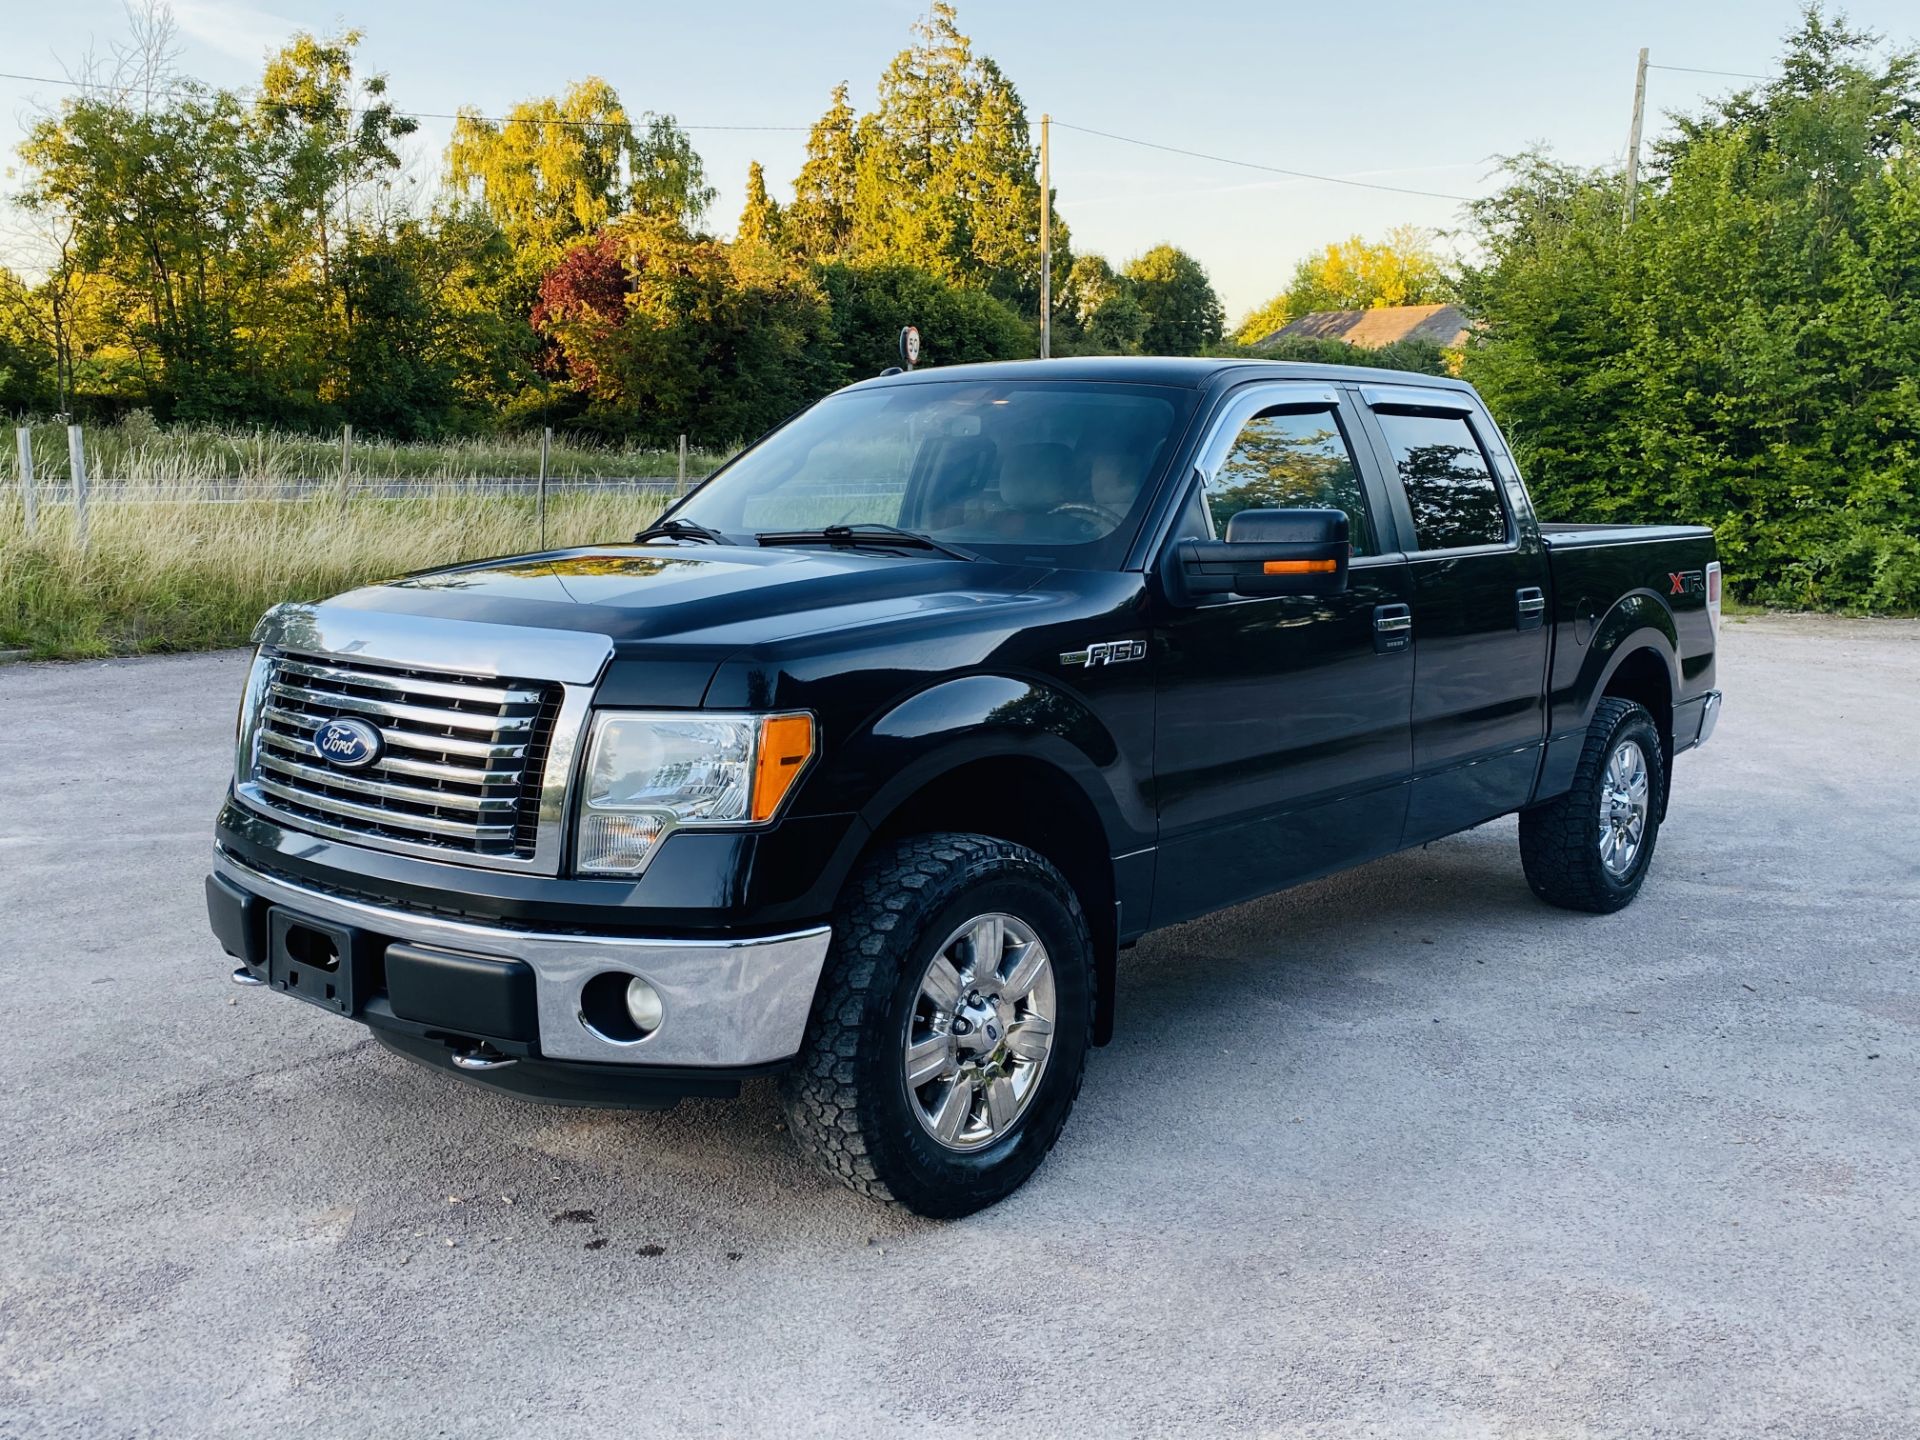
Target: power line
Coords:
[[1696, 70], [1269, 169], [612, 125]]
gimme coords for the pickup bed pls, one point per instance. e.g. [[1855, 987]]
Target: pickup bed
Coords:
[[862, 764]]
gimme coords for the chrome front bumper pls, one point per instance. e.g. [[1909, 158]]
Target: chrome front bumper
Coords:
[[726, 1003]]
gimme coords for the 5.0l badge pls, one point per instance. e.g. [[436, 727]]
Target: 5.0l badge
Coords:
[[1106, 652]]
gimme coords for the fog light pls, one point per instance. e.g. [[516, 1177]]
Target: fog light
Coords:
[[643, 1005], [620, 1008]]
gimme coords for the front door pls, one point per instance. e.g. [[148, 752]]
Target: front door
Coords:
[[1281, 744]]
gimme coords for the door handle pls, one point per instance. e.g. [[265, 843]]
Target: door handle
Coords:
[[1392, 628], [1529, 608]]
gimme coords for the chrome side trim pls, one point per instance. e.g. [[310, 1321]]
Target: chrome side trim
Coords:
[[429, 643], [727, 1002]]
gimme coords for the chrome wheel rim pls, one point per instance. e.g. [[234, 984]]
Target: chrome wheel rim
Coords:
[[1623, 807], [980, 1031]]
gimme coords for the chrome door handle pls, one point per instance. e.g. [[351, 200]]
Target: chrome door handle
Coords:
[[1530, 607], [1392, 628]]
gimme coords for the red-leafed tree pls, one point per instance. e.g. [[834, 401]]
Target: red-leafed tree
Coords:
[[581, 305]]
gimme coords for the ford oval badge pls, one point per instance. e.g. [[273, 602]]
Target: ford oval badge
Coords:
[[347, 744]]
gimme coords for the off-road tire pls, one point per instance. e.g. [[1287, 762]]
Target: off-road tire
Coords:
[[1558, 840], [846, 1098]]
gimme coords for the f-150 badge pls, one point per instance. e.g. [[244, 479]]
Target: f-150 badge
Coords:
[[1106, 652]]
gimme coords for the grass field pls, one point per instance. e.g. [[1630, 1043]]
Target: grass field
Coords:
[[181, 574], [135, 449]]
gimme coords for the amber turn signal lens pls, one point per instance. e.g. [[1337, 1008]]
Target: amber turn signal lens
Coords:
[[1300, 567], [786, 744]]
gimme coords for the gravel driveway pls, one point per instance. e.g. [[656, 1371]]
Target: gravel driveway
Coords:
[[1399, 1152]]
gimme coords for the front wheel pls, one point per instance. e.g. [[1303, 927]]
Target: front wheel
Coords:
[[1589, 849], [952, 1027]]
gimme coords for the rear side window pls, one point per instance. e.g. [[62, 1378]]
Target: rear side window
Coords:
[[1449, 485], [1283, 460]]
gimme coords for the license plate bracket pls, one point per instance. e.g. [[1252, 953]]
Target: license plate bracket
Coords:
[[325, 965]]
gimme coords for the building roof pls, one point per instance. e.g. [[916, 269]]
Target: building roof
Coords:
[[1444, 325]]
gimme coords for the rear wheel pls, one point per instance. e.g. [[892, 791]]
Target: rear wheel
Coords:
[[1589, 849], [952, 1027]]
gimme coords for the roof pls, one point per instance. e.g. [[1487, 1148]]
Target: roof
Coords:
[[1187, 372], [1443, 325]]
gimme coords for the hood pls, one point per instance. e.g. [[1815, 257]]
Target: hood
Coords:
[[722, 597]]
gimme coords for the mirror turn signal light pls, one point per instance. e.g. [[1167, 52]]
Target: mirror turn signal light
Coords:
[[786, 744], [1300, 567]]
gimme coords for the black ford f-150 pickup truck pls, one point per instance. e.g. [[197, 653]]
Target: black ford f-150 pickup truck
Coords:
[[863, 762]]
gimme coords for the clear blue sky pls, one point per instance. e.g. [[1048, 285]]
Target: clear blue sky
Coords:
[[1420, 95]]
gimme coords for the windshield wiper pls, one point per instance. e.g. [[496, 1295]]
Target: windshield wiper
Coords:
[[867, 533], [677, 529]]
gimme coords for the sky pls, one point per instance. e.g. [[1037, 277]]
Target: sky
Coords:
[[1414, 95]]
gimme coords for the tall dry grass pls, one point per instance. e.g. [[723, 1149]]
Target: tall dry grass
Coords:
[[174, 572]]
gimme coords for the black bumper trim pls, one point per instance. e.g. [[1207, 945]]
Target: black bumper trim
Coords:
[[571, 1082]]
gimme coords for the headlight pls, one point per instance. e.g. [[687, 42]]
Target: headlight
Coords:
[[246, 737], [648, 775]]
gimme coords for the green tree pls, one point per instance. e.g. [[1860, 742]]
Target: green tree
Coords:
[[869, 303], [1748, 352], [27, 370], [1183, 312], [820, 221], [395, 377], [163, 201], [762, 222], [945, 171], [556, 169], [665, 332]]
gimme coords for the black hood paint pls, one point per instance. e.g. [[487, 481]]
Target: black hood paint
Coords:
[[709, 598]]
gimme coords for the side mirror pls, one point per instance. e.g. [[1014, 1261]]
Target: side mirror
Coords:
[[1269, 552]]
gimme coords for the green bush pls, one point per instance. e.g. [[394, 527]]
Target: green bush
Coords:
[[1747, 353]]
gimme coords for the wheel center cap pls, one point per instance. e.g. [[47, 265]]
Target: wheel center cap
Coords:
[[978, 1026]]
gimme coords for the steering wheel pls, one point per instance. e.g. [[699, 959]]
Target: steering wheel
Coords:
[[1096, 519]]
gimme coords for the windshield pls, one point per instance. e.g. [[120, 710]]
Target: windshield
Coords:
[[1046, 471]]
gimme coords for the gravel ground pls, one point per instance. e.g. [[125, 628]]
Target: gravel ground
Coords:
[[1399, 1152]]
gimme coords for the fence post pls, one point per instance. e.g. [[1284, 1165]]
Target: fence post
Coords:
[[77, 464], [24, 437], [346, 462], [681, 488], [546, 442]]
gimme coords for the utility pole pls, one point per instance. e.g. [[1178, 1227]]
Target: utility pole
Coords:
[[1633, 136], [1046, 243]]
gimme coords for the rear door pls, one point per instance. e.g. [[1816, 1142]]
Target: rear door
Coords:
[[1478, 576], [1281, 722]]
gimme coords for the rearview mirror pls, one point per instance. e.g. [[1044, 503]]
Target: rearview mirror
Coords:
[[1269, 552]]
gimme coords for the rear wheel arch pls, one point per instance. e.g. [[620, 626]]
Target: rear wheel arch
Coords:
[[1644, 675]]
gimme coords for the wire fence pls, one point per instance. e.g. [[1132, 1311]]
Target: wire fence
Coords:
[[43, 484]]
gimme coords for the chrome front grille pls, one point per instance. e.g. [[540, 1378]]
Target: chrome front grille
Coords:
[[461, 765]]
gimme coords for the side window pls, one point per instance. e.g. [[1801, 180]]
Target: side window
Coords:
[[1283, 460], [1452, 492]]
